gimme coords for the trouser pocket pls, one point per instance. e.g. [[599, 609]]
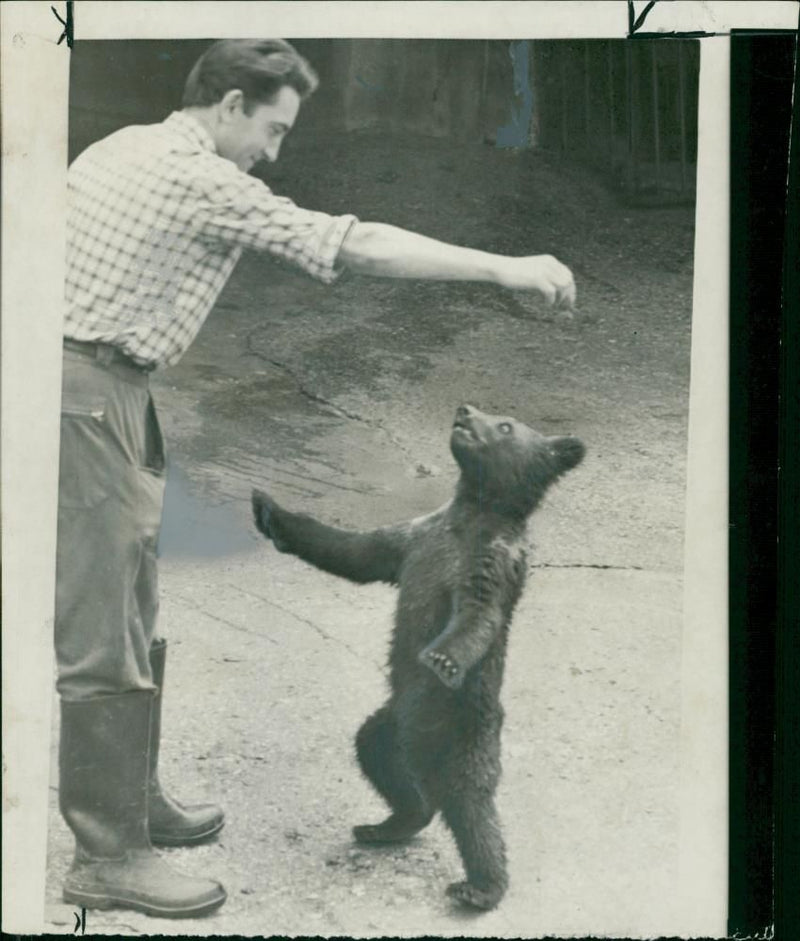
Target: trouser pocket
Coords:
[[85, 478]]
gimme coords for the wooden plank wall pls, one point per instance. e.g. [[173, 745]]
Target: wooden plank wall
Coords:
[[445, 88], [627, 109]]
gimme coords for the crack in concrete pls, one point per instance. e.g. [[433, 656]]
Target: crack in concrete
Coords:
[[320, 480], [587, 565], [306, 393], [237, 627], [313, 397], [392, 439], [315, 627]]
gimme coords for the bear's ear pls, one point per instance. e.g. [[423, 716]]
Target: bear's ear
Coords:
[[568, 452]]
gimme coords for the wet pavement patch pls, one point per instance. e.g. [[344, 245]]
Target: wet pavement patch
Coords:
[[194, 526]]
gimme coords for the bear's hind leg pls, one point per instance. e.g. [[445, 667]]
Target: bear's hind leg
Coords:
[[472, 817], [380, 760]]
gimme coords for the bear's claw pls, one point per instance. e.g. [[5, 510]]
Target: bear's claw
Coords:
[[446, 669], [468, 894]]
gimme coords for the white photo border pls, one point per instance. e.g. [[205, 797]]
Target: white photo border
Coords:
[[35, 109]]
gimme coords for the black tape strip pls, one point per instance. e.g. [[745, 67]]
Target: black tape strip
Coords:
[[68, 32]]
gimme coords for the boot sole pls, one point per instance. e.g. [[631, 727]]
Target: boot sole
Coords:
[[183, 839], [105, 902]]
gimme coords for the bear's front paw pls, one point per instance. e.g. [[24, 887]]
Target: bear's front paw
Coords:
[[470, 895], [446, 669], [265, 513]]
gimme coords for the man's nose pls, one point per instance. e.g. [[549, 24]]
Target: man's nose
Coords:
[[271, 152]]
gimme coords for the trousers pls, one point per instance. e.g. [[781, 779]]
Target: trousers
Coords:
[[112, 474]]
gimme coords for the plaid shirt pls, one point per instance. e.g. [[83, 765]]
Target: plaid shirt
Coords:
[[156, 223]]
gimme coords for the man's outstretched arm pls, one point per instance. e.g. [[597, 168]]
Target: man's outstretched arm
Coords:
[[375, 248]]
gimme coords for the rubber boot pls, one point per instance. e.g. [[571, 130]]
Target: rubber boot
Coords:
[[172, 823], [103, 765]]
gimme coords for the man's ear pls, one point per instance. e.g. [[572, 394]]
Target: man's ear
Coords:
[[569, 452], [231, 104]]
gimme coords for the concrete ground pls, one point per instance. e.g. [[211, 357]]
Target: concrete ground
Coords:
[[339, 402]]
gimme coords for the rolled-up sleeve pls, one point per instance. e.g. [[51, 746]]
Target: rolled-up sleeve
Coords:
[[242, 211]]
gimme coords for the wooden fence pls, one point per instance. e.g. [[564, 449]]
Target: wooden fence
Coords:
[[625, 108]]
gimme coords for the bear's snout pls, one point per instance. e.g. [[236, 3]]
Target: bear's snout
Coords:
[[571, 451], [465, 412], [466, 417]]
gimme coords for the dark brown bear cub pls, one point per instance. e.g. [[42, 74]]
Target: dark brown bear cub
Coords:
[[435, 744]]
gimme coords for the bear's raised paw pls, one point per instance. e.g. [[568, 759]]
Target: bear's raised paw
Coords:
[[265, 512]]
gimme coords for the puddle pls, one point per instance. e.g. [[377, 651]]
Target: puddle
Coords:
[[194, 527]]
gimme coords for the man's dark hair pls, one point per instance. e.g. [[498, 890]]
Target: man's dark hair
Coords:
[[258, 67]]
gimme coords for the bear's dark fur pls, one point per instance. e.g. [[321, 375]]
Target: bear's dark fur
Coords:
[[435, 744]]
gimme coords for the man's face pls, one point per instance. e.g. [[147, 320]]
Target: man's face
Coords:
[[247, 138]]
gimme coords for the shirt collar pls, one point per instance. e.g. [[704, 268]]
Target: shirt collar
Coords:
[[191, 129]]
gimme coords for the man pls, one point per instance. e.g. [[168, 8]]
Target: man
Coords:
[[158, 217]]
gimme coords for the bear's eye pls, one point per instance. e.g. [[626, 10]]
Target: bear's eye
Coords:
[[505, 428]]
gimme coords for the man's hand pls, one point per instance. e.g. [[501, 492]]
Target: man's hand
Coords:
[[541, 273]]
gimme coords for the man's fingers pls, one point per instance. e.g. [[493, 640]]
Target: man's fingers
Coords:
[[566, 296], [564, 284], [562, 296], [544, 274], [549, 294], [559, 285]]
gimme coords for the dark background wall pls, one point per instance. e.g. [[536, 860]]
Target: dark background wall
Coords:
[[625, 108], [628, 108], [444, 88]]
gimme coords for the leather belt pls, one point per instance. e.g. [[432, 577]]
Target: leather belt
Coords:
[[105, 353]]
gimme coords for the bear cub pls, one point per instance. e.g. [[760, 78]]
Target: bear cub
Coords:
[[434, 746]]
